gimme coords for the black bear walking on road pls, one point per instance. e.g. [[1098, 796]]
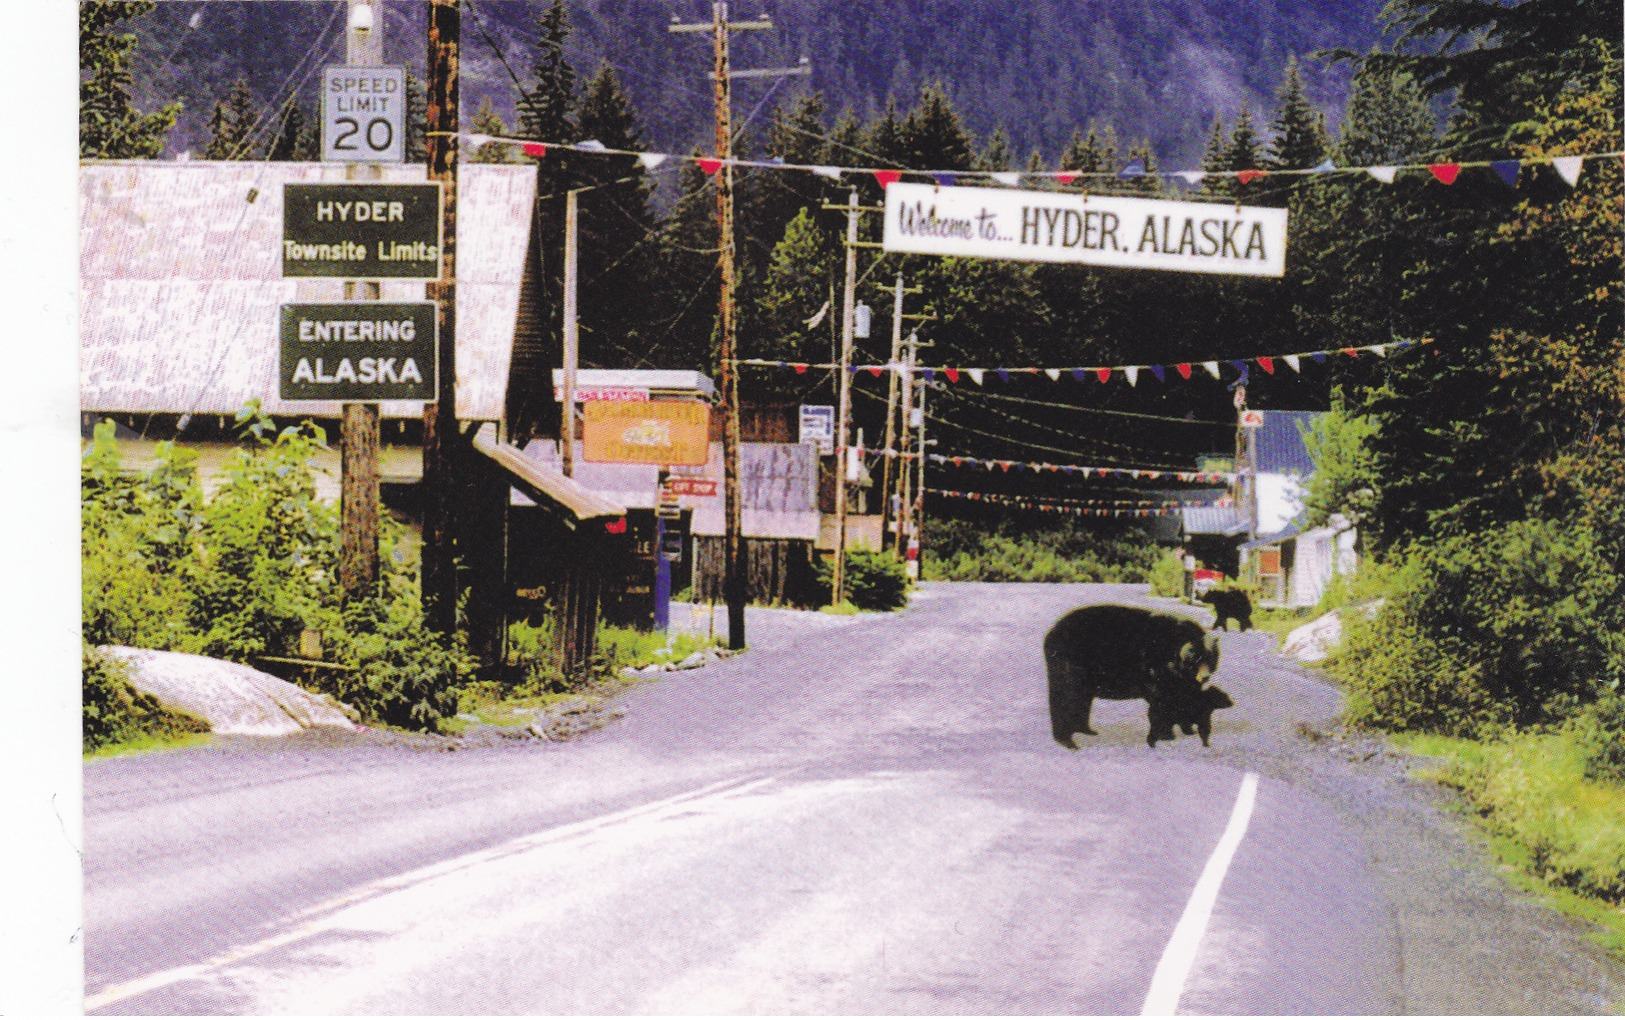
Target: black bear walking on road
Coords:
[[1121, 652], [1229, 604]]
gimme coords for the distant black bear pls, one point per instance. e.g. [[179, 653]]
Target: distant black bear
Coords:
[[1121, 652], [1229, 604]]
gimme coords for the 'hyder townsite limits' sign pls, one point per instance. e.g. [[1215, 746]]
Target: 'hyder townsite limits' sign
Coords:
[[1047, 226], [358, 351], [361, 231]]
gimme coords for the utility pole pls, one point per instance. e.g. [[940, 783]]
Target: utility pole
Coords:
[[358, 428], [440, 436], [916, 546], [733, 579], [844, 385], [888, 520], [567, 430], [904, 507]]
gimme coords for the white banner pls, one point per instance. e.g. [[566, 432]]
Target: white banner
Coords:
[[1045, 226]]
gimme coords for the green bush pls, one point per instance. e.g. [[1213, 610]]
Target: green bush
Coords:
[[875, 581], [402, 673], [1167, 575], [1518, 626], [1063, 553], [113, 712]]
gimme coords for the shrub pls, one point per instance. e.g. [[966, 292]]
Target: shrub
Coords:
[[266, 567], [1521, 625], [113, 712], [873, 580], [402, 673], [1167, 575], [1068, 552]]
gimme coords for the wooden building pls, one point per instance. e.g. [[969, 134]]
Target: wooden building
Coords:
[[181, 286]]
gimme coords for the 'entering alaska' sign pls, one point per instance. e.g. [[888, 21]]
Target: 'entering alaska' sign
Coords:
[[1046, 226]]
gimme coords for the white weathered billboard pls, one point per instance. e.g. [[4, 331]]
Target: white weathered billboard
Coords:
[[1046, 226]]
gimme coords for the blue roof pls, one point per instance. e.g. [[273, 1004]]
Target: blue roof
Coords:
[[1280, 443]]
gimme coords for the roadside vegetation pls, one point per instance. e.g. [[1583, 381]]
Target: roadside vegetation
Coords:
[[251, 572], [1487, 485], [961, 550]]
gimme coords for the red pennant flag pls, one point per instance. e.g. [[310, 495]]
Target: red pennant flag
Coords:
[[959, 462], [1066, 177], [800, 369], [1184, 368], [952, 374], [1103, 374], [536, 149], [887, 177], [1445, 172], [1267, 364], [875, 370], [710, 166], [1351, 352], [1006, 464], [1249, 176]]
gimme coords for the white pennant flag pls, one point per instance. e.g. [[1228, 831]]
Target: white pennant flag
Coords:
[[1291, 361], [833, 173], [975, 375], [1053, 373], [1133, 373], [813, 322], [1568, 167], [1212, 368], [1380, 350], [1007, 178], [480, 140], [1193, 176], [1385, 174], [650, 160]]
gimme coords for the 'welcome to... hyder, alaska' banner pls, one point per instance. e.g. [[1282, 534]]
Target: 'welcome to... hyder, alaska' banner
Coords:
[[1045, 226]]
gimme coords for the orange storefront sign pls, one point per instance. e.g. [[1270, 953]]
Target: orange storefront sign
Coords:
[[664, 432]]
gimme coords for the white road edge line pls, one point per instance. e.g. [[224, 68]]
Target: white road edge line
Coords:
[[1168, 982], [312, 916]]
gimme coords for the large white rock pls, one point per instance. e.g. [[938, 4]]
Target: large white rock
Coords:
[[230, 697], [1314, 641]]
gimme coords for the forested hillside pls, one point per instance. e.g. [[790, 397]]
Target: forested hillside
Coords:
[[1157, 71]]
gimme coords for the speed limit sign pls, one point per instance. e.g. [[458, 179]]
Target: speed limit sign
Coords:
[[364, 114]]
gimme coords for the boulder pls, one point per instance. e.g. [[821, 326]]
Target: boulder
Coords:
[[230, 697]]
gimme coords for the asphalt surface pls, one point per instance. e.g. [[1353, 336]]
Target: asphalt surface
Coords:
[[859, 815]]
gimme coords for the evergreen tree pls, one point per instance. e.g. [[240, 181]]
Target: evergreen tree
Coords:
[[231, 127], [1299, 134], [488, 122], [296, 137], [932, 136], [545, 107], [996, 157], [1388, 122], [797, 284], [110, 127], [615, 226]]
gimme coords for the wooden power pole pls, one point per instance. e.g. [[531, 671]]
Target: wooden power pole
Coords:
[[734, 586], [440, 438], [358, 429], [843, 384]]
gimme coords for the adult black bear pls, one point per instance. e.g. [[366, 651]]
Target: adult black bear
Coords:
[[1120, 652], [1229, 604]]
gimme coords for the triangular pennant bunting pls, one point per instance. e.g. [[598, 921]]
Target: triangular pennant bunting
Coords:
[[534, 149], [1385, 174], [1133, 373], [888, 177], [1212, 368], [709, 167], [1507, 170], [975, 375], [1445, 173], [1568, 168], [1291, 361], [1053, 373], [1184, 369]]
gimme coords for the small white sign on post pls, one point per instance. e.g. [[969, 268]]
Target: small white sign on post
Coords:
[[364, 114], [1047, 226], [818, 426]]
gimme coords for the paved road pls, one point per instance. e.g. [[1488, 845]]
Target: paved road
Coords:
[[860, 815]]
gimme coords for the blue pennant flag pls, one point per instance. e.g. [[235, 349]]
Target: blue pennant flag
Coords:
[[1156, 370], [1326, 167], [1320, 357], [1136, 168], [1004, 374], [1507, 170], [946, 180], [1240, 366], [930, 375], [1079, 374]]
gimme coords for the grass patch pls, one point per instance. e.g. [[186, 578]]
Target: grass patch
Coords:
[[1559, 834], [147, 742], [845, 608]]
